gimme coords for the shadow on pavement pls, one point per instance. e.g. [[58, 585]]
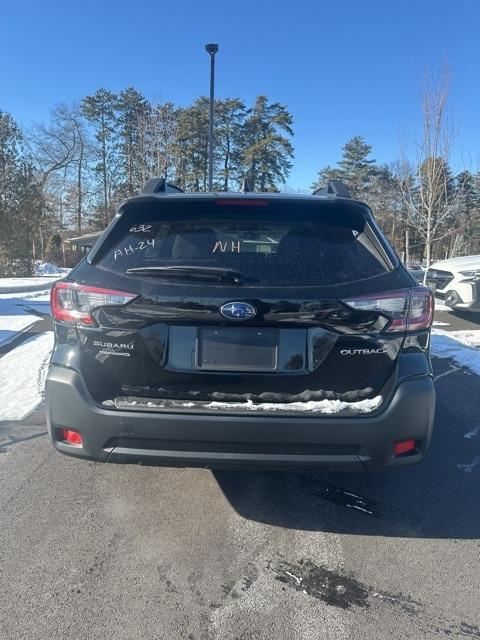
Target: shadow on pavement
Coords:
[[438, 498], [458, 319], [469, 316]]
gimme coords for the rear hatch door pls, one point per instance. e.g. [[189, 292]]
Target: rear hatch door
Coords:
[[244, 302]]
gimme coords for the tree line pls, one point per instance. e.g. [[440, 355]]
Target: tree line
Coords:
[[68, 175], [426, 212], [65, 177]]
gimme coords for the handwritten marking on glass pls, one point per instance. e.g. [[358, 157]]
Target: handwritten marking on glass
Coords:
[[231, 247], [141, 227], [130, 249]]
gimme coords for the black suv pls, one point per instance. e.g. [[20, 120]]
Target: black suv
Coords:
[[224, 329]]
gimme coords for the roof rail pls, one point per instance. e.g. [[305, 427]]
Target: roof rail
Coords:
[[159, 185], [334, 188]]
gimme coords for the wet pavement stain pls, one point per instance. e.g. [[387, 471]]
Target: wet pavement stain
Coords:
[[344, 591], [335, 589], [338, 589], [349, 499]]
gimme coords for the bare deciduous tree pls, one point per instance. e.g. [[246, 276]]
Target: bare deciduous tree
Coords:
[[53, 148], [430, 201], [157, 127]]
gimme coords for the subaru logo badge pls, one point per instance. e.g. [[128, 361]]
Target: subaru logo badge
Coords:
[[238, 311]]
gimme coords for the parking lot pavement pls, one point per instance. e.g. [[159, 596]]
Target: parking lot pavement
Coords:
[[457, 320], [132, 553]]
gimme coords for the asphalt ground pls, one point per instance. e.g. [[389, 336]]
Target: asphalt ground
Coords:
[[131, 552]]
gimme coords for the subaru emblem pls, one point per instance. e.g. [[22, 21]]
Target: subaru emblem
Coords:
[[238, 311]]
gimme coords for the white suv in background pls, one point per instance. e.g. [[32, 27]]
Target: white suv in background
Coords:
[[457, 281]]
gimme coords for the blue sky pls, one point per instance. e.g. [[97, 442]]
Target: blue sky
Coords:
[[343, 68]]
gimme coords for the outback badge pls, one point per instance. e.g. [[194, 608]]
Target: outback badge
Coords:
[[238, 311]]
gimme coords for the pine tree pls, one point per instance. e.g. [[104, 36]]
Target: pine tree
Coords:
[[54, 249], [355, 168], [266, 152], [131, 110], [467, 239], [324, 175], [100, 110], [229, 119], [20, 202], [191, 147]]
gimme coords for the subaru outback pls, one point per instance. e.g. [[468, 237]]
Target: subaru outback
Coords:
[[254, 329]]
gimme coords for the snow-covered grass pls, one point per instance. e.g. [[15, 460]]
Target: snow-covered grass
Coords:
[[23, 370], [45, 274], [16, 312], [22, 376], [48, 269], [463, 347], [12, 285]]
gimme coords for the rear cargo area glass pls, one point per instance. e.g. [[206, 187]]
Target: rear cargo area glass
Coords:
[[269, 246]]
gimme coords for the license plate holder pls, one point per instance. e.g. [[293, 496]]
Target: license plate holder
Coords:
[[237, 348]]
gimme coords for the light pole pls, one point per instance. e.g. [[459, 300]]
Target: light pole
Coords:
[[211, 49]]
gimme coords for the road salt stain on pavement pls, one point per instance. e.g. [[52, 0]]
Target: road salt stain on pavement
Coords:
[[471, 466]]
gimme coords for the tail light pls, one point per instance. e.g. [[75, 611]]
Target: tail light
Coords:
[[409, 309], [72, 437], [420, 315], [406, 446], [72, 302]]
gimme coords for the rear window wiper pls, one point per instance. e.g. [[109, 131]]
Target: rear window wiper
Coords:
[[192, 271]]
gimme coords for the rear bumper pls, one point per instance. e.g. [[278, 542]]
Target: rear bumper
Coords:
[[187, 439]]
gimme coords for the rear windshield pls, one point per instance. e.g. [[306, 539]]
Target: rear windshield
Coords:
[[280, 247]]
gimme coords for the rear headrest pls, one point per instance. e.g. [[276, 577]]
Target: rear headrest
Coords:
[[193, 243]]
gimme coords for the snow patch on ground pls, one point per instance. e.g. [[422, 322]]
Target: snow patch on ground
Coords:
[[437, 323], [460, 346], [20, 286], [440, 305], [16, 312], [47, 269], [22, 377], [20, 282]]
